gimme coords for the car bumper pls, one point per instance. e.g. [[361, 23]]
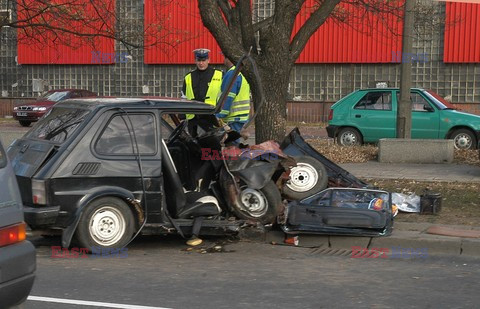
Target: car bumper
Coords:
[[28, 116], [17, 269], [41, 216], [332, 130]]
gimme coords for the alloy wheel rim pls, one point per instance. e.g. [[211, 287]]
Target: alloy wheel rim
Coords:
[[348, 139], [463, 141]]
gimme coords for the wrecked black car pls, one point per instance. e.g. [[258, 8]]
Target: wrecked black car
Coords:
[[101, 171]]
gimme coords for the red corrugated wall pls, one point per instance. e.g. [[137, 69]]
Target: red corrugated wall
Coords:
[[365, 37], [36, 49], [369, 38], [462, 33], [181, 32]]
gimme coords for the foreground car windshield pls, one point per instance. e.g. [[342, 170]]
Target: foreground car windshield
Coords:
[[54, 96], [58, 124]]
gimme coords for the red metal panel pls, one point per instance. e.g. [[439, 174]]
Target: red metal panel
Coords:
[[181, 31], [367, 38], [44, 48], [462, 33]]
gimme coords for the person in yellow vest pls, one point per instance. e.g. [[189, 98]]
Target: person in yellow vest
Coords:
[[236, 109], [202, 84]]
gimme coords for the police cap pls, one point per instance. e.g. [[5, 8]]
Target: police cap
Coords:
[[201, 53]]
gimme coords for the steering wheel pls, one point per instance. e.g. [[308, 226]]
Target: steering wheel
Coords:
[[177, 131]]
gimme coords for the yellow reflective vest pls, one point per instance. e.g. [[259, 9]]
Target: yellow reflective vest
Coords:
[[213, 90], [240, 108]]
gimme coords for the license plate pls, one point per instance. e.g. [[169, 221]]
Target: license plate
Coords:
[[22, 114]]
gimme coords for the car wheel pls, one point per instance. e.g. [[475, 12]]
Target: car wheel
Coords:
[[463, 139], [262, 205], [106, 223], [25, 123], [306, 179], [349, 137]]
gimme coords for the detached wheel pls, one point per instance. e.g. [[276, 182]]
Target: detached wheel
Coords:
[[463, 139], [306, 179], [107, 222], [262, 205], [349, 137], [24, 123]]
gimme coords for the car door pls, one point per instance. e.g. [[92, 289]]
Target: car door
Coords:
[[425, 117], [374, 115], [342, 211]]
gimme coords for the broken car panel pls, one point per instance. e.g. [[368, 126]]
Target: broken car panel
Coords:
[[341, 211]]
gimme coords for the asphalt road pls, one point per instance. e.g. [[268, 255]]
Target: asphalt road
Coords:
[[159, 273], [10, 130]]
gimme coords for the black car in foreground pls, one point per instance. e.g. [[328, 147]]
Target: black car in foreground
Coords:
[[103, 170]]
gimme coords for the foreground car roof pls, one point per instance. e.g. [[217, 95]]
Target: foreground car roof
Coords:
[[162, 103]]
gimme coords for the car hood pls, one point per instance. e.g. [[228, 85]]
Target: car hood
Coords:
[[459, 116], [45, 103]]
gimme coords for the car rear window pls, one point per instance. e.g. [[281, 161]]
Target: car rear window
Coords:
[[58, 124]]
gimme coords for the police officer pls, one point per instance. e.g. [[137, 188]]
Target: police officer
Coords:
[[236, 110], [202, 84]]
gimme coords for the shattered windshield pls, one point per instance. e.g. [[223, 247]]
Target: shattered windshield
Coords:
[[58, 124]]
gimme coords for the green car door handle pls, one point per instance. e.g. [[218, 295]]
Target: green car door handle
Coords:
[[358, 116]]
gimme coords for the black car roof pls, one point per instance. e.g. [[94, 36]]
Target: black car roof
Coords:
[[157, 103]]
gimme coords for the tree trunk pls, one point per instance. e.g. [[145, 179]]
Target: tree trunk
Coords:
[[404, 111], [271, 120]]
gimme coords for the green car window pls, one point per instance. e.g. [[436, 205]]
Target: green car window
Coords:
[[377, 100]]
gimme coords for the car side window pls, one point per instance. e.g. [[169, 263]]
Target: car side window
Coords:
[[377, 100], [359, 199], [418, 102], [118, 136]]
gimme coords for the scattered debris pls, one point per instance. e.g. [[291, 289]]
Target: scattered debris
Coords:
[[406, 202]]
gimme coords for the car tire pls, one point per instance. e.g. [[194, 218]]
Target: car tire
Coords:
[[106, 222], [463, 139], [349, 137], [263, 205], [24, 123], [307, 178]]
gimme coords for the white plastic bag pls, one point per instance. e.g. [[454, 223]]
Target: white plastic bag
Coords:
[[406, 203]]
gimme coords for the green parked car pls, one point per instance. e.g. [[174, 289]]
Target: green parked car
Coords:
[[368, 115]]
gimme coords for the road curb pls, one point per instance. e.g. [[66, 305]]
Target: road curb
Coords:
[[414, 240]]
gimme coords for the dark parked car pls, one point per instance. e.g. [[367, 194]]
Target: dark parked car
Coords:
[[17, 255], [368, 115], [31, 112], [102, 170]]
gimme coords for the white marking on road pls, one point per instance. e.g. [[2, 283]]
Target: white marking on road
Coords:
[[89, 303]]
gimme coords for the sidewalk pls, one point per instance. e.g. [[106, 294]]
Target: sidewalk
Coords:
[[420, 172]]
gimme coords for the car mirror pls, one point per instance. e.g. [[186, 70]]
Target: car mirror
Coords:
[[428, 108]]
